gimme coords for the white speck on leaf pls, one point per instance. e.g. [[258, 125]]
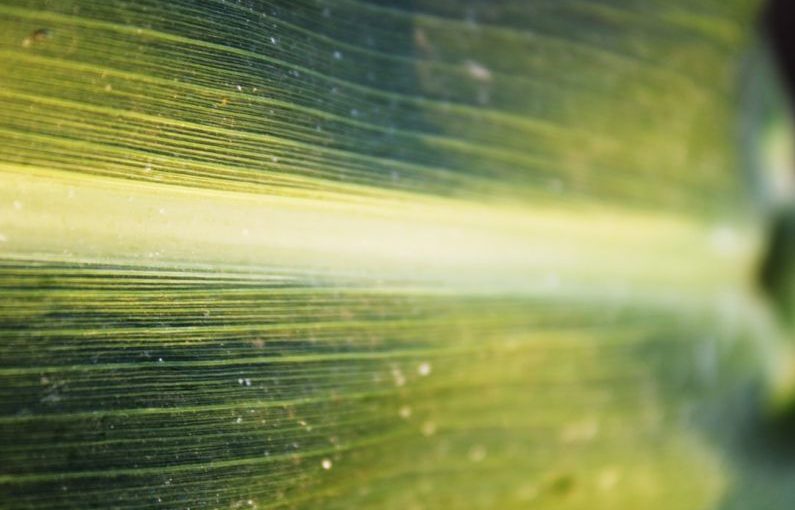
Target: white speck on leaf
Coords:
[[477, 453], [477, 71], [428, 428], [398, 377]]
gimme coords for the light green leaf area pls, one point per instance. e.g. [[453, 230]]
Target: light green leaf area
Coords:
[[369, 254]]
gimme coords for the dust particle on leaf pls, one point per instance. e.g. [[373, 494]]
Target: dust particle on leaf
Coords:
[[38, 36]]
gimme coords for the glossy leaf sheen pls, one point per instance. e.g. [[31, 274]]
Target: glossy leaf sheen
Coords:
[[371, 254]]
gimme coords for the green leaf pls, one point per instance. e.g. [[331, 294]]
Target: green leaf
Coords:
[[372, 254]]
